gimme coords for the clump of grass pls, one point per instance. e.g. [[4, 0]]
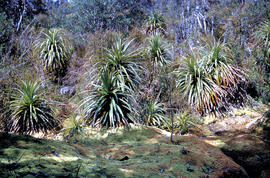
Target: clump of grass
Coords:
[[156, 23], [74, 128]]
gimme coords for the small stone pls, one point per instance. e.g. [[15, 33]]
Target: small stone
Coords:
[[184, 151]]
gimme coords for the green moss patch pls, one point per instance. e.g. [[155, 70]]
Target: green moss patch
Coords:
[[138, 152]]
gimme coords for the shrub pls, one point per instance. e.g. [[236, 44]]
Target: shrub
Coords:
[[156, 23], [183, 122], [157, 58], [220, 65], [94, 15], [154, 113], [262, 35], [262, 56], [29, 112], [226, 75], [53, 48], [74, 128], [6, 31], [108, 105]]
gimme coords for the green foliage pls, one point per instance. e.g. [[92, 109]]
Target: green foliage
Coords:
[[263, 40], [53, 48], [263, 33], [193, 80], [94, 15], [6, 31], [220, 65], [74, 128], [156, 23], [180, 123], [210, 81], [108, 105], [154, 113], [183, 122], [122, 60], [29, 112], [158, 50], [262, 56]]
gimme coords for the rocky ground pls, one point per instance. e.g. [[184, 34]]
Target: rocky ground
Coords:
[[243, 136]]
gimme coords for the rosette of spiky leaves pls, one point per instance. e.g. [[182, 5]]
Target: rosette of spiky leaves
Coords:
[[180, 124], [30, 114], [158, 50], [154, 113], [194, 81], [122, 60], [74, 128], [183, 121], [225, 74], [53, 48], [156, 23], [109, 105], [220, 65], [263, 36]]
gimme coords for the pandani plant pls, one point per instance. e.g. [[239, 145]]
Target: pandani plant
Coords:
[[29, 112], [210, 80], [54, 49], [108, 105], [123, 60]]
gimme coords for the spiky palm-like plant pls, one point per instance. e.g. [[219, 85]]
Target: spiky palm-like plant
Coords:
[[263, 36], [194, 81], [108, 105], [156, 23], [210, 80], [29, 112], [121, 59], [158, 50], [53, 48], [154, 113], [220, 65], [226, 75]]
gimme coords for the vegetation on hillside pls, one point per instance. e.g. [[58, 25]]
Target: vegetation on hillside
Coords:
[[118, 63], [130, 71]]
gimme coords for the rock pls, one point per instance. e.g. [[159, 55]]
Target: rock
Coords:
[[263, 127], [238, 138], [68, 90], [237, 123], [246, 149]]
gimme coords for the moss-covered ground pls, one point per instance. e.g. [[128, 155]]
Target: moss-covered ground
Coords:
[[138, 152]]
